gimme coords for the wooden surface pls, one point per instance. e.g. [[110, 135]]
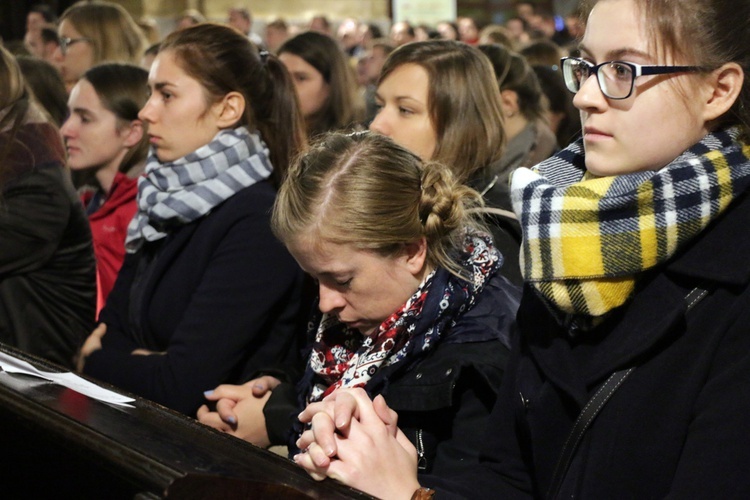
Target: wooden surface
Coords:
[[57, 443]]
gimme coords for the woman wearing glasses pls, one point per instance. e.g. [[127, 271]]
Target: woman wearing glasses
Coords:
[[91, 33], [631, 377]]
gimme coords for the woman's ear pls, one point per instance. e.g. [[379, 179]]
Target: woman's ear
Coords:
[[133, 133], [723, 88], [230, 110], [509, 102], [416, 255]]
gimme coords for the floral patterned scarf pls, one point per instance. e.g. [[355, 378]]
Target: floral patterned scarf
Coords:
[[343, 357]]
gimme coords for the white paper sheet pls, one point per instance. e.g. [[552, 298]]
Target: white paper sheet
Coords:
[[11, 364]]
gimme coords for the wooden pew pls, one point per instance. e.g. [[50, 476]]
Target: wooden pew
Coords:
[[57, 443]]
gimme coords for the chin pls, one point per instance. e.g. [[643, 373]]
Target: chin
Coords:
[[164, 157]]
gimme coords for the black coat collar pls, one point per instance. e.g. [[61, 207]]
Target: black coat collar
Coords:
[[718, 257]]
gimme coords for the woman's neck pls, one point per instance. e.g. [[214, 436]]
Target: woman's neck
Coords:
[[515, 124], [106, 174]]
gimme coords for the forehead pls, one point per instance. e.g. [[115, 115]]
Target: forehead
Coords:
[[68, 29], [317, 255], [296, 63], [614, 26], [408, 79], [165, 68], [83, 95]]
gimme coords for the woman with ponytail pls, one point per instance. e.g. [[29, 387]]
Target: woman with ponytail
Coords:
[[411, 304], [206, 293], [107, 145]]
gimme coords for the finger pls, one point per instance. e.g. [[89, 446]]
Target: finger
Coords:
[[228, 391], [305, 440], [388, 416], [312, 409], [212, 419], [364, 410], [304, 461], [318, 456], [225, 410], [202, 411], [264, 384], [345, 408], [324, 432]]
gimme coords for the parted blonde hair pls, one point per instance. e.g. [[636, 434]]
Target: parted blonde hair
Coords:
[[364, 190]]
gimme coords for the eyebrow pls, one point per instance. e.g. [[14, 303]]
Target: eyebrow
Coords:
[[161, 85], [335, 273], [399, 98], [83, 111], [618, 53]]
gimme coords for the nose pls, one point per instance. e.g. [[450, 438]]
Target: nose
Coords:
[[380, 124], [67, 128], [330, 300], [590, 95], [57, 54], [146, 113]]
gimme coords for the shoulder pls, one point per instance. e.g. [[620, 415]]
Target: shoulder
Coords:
[[493, 315], [36, 147], [247, 211], [252, 200], [431, 383]]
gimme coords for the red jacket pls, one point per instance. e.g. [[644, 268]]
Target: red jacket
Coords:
[[109, 225]]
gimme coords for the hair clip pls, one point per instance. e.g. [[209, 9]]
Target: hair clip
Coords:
[[263, 56]]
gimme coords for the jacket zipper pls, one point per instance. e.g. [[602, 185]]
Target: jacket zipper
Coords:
[[421, 459]]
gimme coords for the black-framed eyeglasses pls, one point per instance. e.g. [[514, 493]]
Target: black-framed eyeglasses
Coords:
[[616, 78], [66, 42]]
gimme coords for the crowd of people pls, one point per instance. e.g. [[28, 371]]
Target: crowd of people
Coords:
[[459, 260]]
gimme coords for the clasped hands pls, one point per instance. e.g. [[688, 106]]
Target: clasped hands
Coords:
[[94, 343], [357, 441], [239, 409]]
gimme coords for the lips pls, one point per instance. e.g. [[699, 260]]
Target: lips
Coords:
[[593, 133]]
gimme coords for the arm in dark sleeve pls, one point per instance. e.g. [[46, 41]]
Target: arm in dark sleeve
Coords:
[[716, 454], [115, 312], [281, 412], [501, 472], [246, 280], [34, 213]]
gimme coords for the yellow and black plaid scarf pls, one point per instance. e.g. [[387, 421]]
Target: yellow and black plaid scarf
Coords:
[[587, 239]]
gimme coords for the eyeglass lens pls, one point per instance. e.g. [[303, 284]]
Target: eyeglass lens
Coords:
[[615, 79]]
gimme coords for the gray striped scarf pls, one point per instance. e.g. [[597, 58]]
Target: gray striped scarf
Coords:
[[179, 192]]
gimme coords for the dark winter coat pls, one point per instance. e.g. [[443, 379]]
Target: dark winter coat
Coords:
[[222, 299], [444, 399], [47, 268], [677, 427]]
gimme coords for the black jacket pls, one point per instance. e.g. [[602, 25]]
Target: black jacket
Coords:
[[677, 427], [443, 399], [47, 267], [222, 299]]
